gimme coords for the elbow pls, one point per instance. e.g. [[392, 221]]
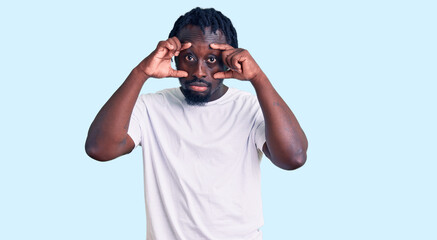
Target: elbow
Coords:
[[297, 161], [292, 162], [96, 153]]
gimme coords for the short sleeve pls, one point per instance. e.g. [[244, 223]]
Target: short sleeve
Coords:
[[134, 130], [260, 131]]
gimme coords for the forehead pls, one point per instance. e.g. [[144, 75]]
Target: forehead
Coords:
[[194, 34]]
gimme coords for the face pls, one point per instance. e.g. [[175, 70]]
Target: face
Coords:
[[201, 63]]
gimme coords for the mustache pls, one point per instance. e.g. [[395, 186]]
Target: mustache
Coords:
[[198, 80]]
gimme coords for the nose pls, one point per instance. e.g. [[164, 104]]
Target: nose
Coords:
[[200, 71]]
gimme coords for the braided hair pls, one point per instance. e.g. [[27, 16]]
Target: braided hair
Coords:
[[207, 17]]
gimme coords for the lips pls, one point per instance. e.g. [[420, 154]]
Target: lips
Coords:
[[198, 86]]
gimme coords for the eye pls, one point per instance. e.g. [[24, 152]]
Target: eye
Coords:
[[212, 59], [189, 58]]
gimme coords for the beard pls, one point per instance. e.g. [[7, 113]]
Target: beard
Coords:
[[194, 98]]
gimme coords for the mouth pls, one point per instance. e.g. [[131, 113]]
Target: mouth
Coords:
[[198, 86]]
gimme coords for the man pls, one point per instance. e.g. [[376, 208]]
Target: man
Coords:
[[201, 142]]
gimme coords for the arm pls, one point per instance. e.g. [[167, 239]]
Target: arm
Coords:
[[107, 136], [286, 143]]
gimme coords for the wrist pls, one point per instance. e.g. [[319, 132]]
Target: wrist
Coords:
[[140, 74], [259, 79]]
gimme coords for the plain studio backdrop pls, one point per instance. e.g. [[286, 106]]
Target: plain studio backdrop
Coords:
[[359, 75]]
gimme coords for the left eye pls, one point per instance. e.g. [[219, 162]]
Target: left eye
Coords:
[[212, 59]]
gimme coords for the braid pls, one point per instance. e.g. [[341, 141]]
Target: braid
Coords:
[[207, 17]]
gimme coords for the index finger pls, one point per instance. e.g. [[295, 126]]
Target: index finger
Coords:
[[221, 46], [185, 45]]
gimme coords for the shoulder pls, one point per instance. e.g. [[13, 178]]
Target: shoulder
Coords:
[[160, 97], [242, 97]]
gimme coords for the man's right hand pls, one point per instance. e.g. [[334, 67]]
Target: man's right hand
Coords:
[[108, 137], [158, 63]]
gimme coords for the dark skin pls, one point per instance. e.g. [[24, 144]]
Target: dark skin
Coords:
[[199, 56], [201, 61]]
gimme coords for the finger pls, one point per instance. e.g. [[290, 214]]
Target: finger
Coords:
[[177, 73], [227, 74], [185, 45], [236, 62], [162, 45], [229, 60], [164, 50], [233, 60], [177, 43], [172, 43], [226, 56], [221, 46]]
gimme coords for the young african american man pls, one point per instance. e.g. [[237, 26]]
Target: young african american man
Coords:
[[202, 143]]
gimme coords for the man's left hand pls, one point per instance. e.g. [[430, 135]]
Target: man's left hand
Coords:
[[242, 65]]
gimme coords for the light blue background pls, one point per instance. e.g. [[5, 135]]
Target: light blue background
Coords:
[[359, 75]]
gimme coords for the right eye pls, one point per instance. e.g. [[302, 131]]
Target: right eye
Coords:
[[189, 58]]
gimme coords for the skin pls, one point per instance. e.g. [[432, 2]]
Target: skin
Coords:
[[199, 56], [200, 61]]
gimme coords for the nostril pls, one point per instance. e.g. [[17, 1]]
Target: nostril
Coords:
[[200, 72]]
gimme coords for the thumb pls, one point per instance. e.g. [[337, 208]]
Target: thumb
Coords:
[[177, 73], [227, 74]]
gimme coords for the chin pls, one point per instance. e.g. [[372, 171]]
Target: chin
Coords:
[[196, 99]]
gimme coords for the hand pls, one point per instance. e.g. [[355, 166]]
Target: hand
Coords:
[[242, 65], [158, 63]]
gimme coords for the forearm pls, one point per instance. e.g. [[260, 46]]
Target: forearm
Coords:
[[285, 139], [107, 136]]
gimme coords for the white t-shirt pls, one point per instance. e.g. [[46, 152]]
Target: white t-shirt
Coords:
[[201, 165]]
